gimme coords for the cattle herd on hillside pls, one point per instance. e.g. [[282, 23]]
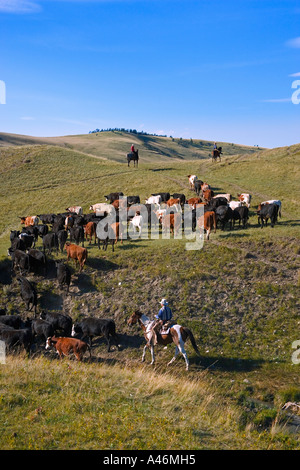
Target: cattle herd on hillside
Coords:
[[106, 223]]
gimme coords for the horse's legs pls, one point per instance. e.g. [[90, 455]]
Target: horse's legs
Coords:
[[175, 355], [180, 347]]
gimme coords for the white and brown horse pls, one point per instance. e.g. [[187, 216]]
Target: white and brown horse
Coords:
[[177, 334]]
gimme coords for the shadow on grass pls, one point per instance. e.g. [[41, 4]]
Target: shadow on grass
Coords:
[[226, 364]]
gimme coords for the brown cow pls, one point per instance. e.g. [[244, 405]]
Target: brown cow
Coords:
[[117, 231], [193, 201], [205, 187], [29, 221], [208, 222], [172, 222], [66, 346], [77, 253], [90, 231], [208, 194], [173, 202]]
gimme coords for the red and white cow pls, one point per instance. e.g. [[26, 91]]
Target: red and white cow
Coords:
[[245, 199]]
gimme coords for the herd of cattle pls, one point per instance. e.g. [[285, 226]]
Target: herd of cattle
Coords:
[[71, 229]]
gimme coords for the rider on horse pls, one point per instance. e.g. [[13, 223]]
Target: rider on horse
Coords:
[[163, 319]]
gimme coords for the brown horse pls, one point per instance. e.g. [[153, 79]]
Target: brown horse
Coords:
[[177, 334]]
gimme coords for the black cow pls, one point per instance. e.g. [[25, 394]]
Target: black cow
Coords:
[[42, 230], [29, 240], [224, 214], [13, 321], [19, 260], [106, 236], [241, 214], [197, 186], [179, 196], [62, 236], [18, 244], [14, 234], [14, 338], [60, 322], [37, 261], [50, 241], [90, 327], [31, 230], [268, 211], [216, 202], [77, 235], [47, 218], [28, 293], [63, 275], [113, 196], [41, 328], [133, 200]]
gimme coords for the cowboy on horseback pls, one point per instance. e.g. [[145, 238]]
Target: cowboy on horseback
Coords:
[[163, 320]]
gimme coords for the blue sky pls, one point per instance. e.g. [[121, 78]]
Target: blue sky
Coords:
[[207, 69]]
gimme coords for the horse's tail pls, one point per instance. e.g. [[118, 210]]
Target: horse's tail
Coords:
[[191, 336]]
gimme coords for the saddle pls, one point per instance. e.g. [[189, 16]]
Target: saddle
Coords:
[[166, 327]]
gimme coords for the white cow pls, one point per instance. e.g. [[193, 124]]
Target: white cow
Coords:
[[76, 209], [234, 204], [245, 198], [137, 222], [101, 207], [154, 200], [192, 179]]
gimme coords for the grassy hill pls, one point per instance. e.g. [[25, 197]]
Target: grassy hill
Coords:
[[239, 295], [116, 144]]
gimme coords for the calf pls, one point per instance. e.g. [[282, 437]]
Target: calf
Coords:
[[28, 293], [77, 253], [61, 323], [63, 275], [208, 222], [90, 327], [67, 346], [90, 231], [172, 222]]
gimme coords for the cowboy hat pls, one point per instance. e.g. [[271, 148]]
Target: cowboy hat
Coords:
[[163, 302]]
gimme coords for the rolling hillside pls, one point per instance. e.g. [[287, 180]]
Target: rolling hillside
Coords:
[[239, 296], [115, 145]]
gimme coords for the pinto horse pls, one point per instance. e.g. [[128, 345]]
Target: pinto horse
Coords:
[[134, 156], [177, 334]]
